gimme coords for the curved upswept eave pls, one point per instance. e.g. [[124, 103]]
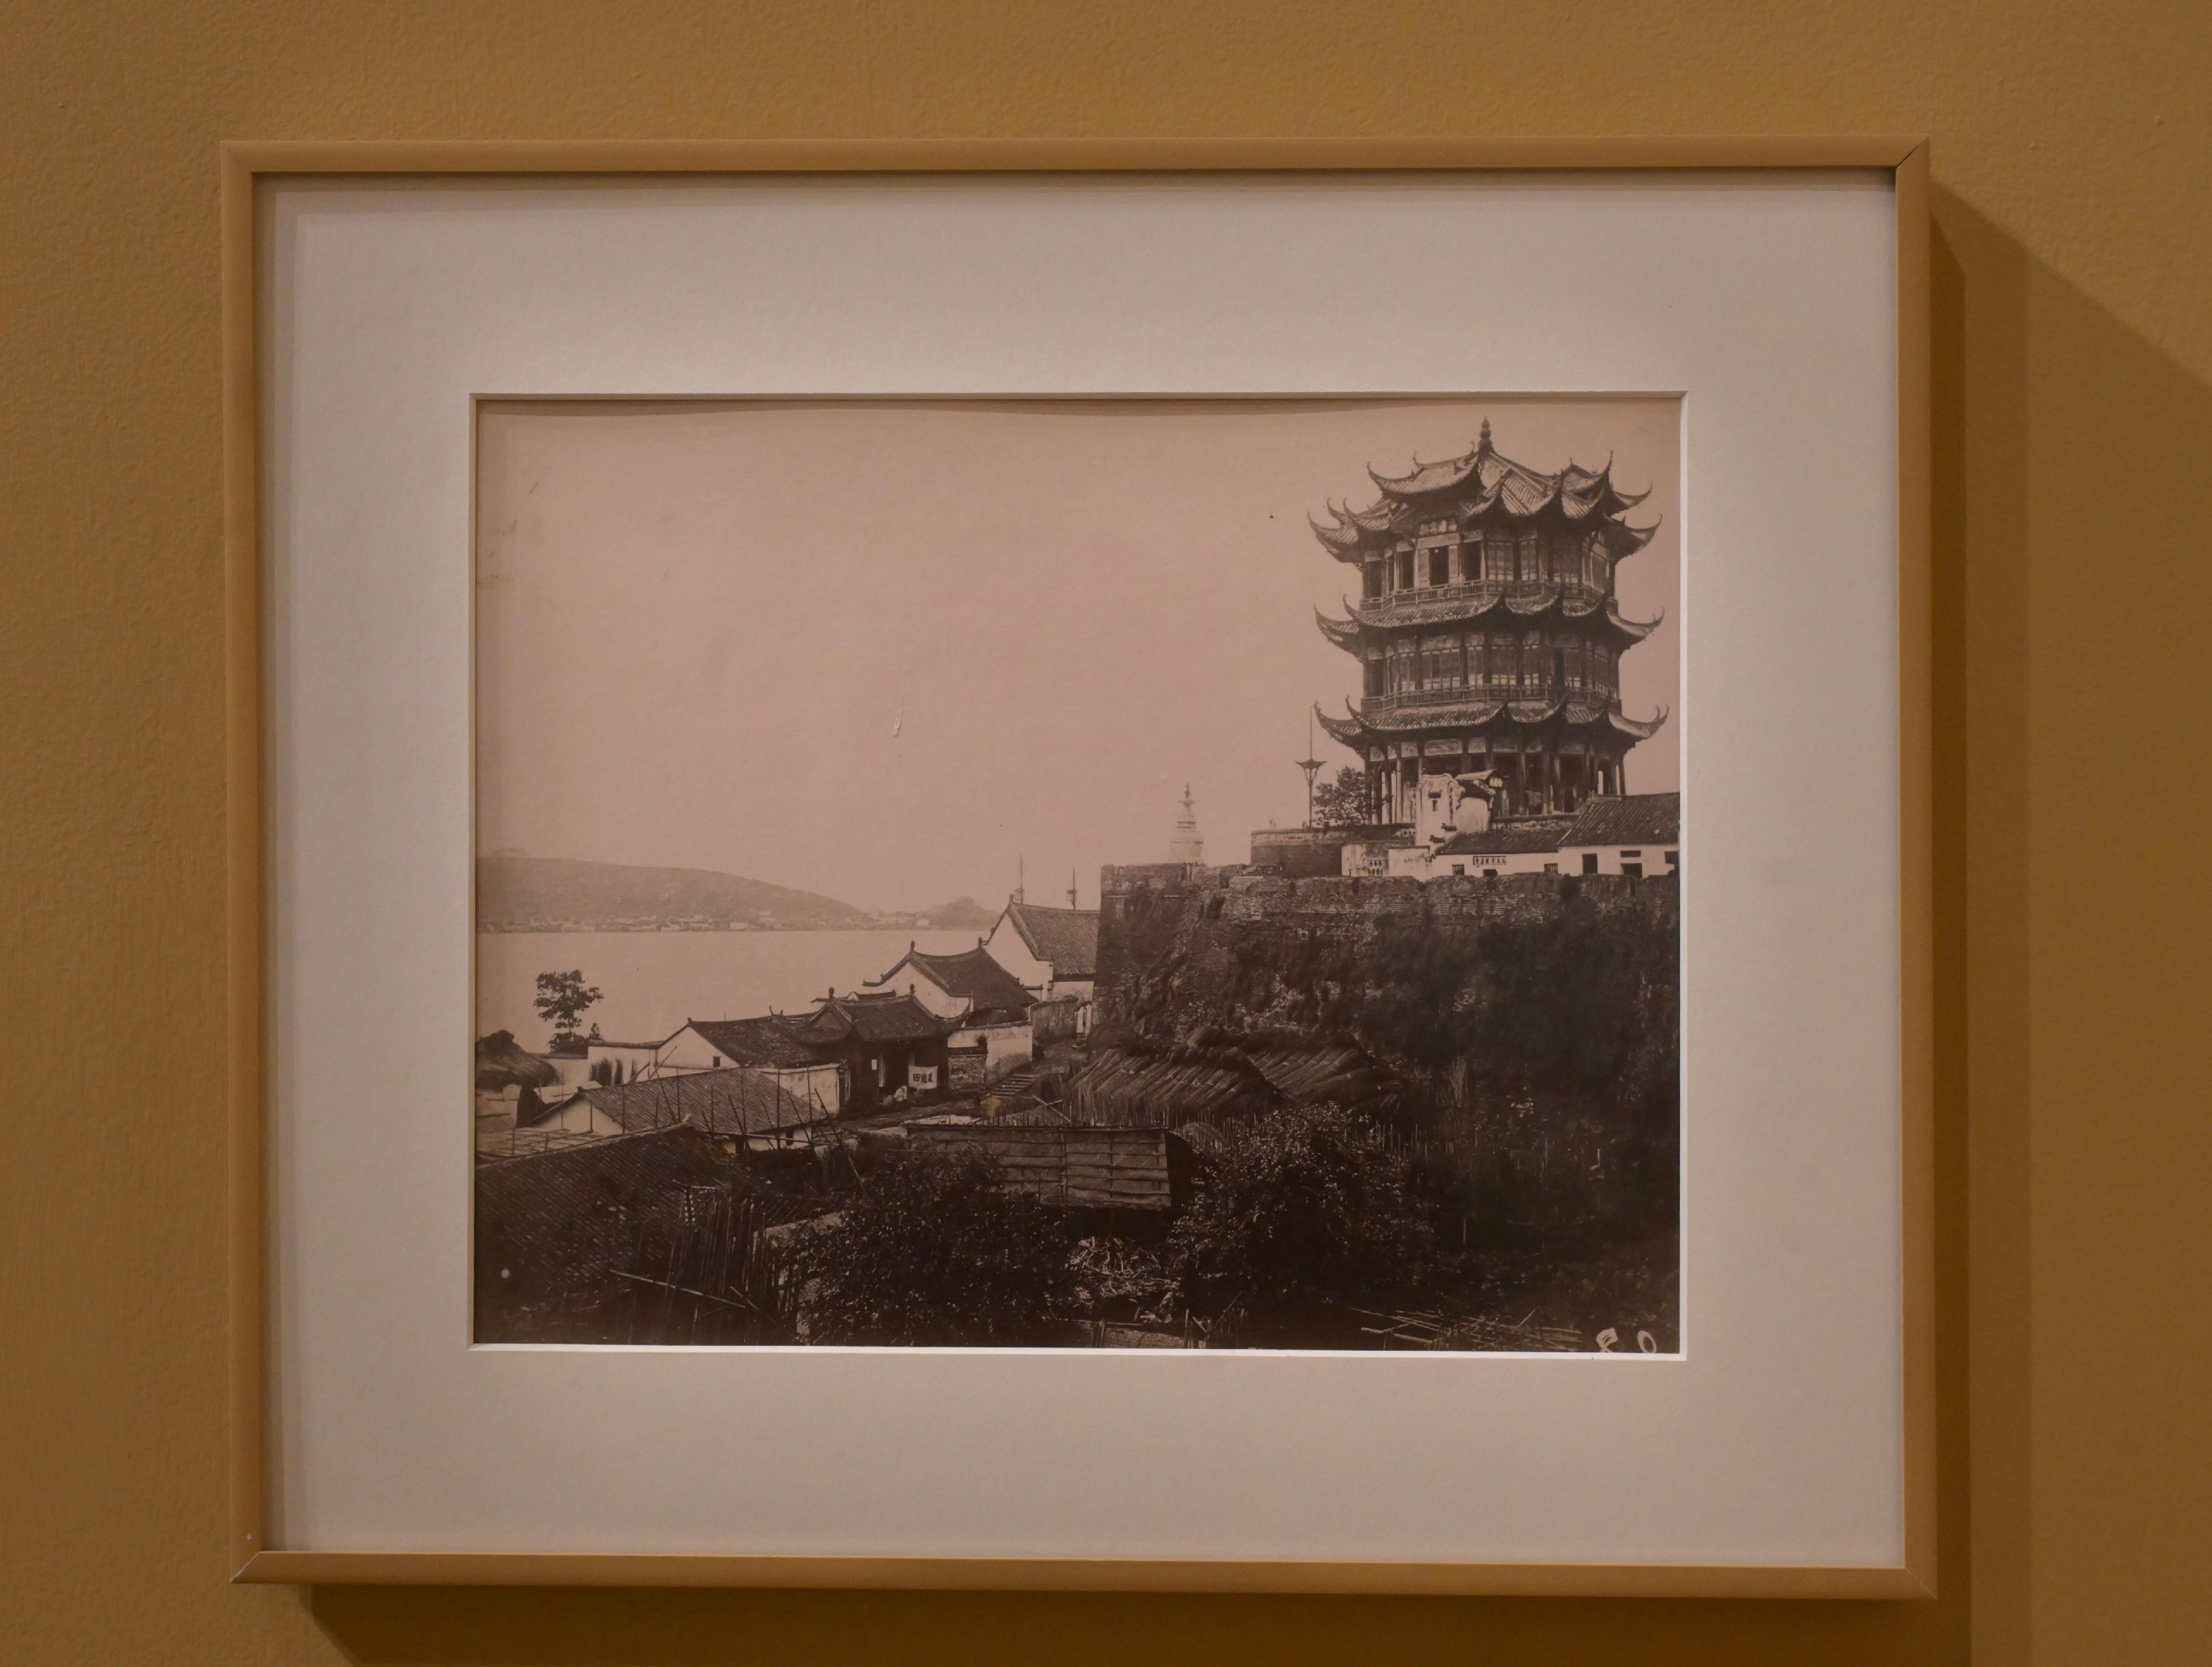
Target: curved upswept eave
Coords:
[[1532, 603], [1634, 630], [1349, 731], [1642, 728], [1343, 633], [1622, 542], [1339, 540], [1429, 478]]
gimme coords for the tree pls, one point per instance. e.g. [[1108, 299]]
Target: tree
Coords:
[[561, 999], [1299, 1208], [933, 1250], [1341, 802]]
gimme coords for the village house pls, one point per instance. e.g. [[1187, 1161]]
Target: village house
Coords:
[[610, 1063], [973, 991], [1633, 834], [511, 1082], [1636, 834], [767, 1045], [889, 1046], [572, 1071], [731, 1102], [1052, 952], [1529, 846]]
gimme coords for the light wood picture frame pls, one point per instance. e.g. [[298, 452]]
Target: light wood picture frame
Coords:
[[245, 166]]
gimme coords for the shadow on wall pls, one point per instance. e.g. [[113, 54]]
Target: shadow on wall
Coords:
[[2054, 426]]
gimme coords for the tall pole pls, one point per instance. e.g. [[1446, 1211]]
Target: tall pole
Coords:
[[1311, 765]]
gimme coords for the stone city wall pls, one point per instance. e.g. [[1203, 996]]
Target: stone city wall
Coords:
[[1182, 947]]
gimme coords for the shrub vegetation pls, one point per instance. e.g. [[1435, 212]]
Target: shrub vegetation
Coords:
[[933, 1250]]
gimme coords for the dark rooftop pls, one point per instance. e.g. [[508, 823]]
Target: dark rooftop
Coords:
[[1630, 819], [1068, 938], [501, 1062], [972, 975], [879, 1018], [1523, 835], [769, 1041], [722, 1102]]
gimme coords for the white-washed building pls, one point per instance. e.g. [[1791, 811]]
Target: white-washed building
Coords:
[[611, 1063], [988, 1003], [766, 1044], [1529, 844], [1634, 833], [1051, 953]]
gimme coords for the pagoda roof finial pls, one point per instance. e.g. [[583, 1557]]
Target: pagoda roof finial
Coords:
[[1482, 440]]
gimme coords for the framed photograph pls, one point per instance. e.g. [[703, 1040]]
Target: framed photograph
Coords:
[[1196, 866]]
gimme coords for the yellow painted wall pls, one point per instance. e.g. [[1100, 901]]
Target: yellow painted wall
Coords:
[[2073, 169]]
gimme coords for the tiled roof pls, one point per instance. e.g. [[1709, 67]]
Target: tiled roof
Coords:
[[972, 975], [1068, 938], [1469, 603], [1340, 1075], [767, 1041], [886, 1018], [1126, 1089], [501, 1062], [1472, 485], [1507, 838], [722, 1102], [1355, 731], [1628, 819]]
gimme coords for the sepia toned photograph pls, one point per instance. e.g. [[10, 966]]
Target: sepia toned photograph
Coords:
[[1087, 874]]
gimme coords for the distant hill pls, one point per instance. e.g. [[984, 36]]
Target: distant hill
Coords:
[[552, 894], [963, 914]]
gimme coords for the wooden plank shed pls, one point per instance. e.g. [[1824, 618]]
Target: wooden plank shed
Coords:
[[1072, 1167]]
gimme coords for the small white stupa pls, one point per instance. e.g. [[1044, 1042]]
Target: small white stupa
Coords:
[[1187, 846]]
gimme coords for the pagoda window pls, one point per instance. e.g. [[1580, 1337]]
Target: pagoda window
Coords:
[[1371, 578], [1405, 574], [1528, 569], [1374, 674], [1440, 662], [1470, 656], [1440, 565], [1532, 660], [1501, 660]]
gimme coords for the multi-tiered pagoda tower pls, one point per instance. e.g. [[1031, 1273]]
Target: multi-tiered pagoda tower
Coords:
[[1487, 633]]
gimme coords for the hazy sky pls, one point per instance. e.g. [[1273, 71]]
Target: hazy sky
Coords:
[[886, 651]]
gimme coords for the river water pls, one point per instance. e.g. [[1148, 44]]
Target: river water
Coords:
[[652, 982]]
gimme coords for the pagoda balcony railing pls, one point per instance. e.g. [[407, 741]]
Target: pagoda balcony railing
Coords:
[[1414, 699], [1486, 591]]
